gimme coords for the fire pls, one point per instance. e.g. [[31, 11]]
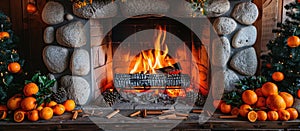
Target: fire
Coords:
[[148, 61]]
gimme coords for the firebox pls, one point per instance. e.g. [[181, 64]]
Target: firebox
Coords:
[[153, 62]]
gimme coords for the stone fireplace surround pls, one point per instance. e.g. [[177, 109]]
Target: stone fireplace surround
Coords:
[[81, 62]]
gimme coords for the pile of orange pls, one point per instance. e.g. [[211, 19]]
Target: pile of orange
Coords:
[[25, 106], [264, 103]]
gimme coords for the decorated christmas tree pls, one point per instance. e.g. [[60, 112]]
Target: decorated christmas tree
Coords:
[[11, 75], [282, 63]]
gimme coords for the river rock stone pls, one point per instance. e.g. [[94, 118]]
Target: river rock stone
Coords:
[[49, 35], [53, 13], [223, 81], [71, 35], [139, 7], [246, 36], [56, 58], [296, 104], [69, 17], [77, 88], [98, 9], [221, 52], [80, 62], [245, 61], [245, 13], [224, 25], [215, 8]]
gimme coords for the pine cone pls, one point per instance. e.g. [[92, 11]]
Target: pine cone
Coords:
[[60, 96]]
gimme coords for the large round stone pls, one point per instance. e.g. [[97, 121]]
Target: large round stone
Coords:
[[98, 9], [140, 7], [49, 35], [224, 25], [53, 13], [71, 35], [56, 58], [215, 8], [77, 88], [245, 13], [220, 52], [245, 61], [80, 62], [246, 36]]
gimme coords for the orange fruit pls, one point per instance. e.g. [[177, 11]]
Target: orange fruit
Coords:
[[252, 116], [298, 93], [30, 89], [19, 116], [225, 108], [293, 41], [261, 102], [69, 105], [288, 98], [14, 103], [217, 103], [51, 104], [261, 115], [269, 88], [3, 108], [258, 92], [33, 115], [275, 102], [244, 109], [46, 113], [272, 116], [4, 34], [284, 115], [235, 111], [28, 103], [249, 97], [293, 113], [277, 76], [3, 114], [59, 109], [14, 67]]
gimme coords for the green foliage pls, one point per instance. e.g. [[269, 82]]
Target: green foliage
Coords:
[[44, 83], [233, 98], [281, 57], [10, 83]]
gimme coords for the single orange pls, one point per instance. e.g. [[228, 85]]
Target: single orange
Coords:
[[269, 88], [46, 113], [217, 103], [33, 115], [19, 116], [293, 113], [51, 104], [298, 93], [277, 76], [275, 102], [14, 67], [69, 105], [30, 89], [249, 97], [293, 41], [225, 108], [272, 116], [261, 102], [288, 98], [14, 103], [252, 116], [3, 115], [258, 92], [28, 103], [235, 111], [284, 115], [244, 109], [4, 34], [59, 109], [262, 115]]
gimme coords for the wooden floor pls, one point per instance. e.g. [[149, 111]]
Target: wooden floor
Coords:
[[120, 122]]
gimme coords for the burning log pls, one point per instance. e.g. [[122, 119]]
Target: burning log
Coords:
[[112, 114]]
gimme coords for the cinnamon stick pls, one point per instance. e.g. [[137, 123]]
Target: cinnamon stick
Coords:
[[112, 114], [228, 117], [135, 113], [166, 116], [176, 118], [75, 115], [197, 111], [181, 114], [154, 112]]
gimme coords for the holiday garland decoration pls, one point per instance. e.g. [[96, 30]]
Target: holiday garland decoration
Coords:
[[283, 58]]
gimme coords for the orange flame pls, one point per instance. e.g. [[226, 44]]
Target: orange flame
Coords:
[[149, 60]]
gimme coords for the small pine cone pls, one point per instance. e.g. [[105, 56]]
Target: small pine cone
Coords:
[[60, 96]]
